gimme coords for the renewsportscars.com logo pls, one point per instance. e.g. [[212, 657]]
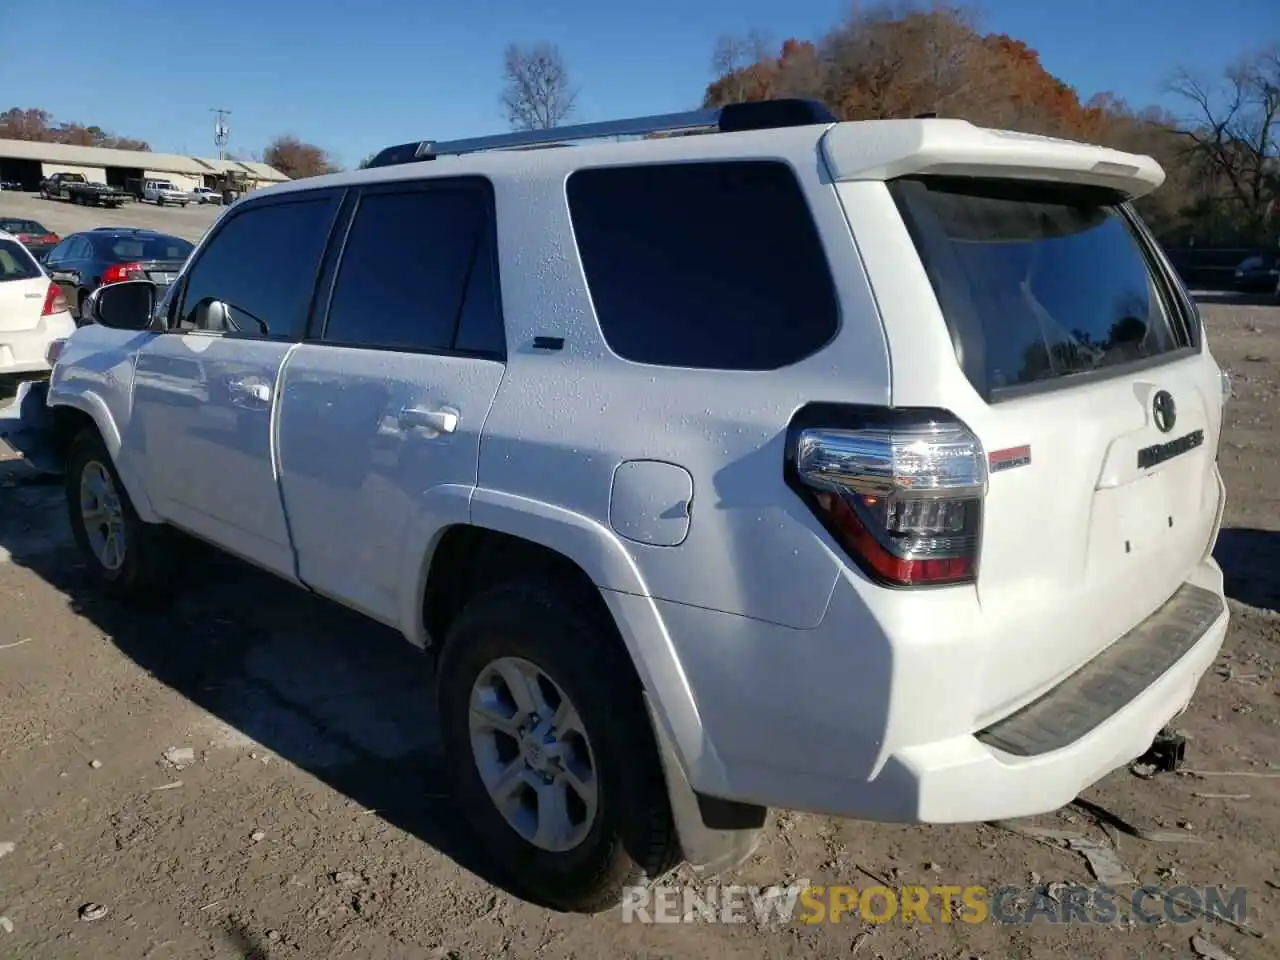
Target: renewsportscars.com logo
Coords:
[[804, 902]]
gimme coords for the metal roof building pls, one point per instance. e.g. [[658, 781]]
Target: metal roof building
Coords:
[[28, 162]]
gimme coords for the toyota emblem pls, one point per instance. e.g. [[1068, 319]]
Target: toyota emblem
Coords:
[[1164, 411]]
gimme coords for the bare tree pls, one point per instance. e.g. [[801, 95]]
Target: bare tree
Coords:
[[537, 94], [1233, 130], [735, 60]]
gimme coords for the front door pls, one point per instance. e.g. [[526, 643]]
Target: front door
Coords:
[[381, 412], [205, 393]]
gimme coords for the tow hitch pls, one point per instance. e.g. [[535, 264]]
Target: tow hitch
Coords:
[[1165, 755]]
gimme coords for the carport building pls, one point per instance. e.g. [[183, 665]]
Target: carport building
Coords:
[[28, 162]]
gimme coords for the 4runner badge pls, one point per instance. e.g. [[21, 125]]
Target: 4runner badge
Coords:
[[999, 460]]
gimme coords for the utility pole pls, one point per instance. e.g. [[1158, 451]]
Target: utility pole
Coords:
[[221, 129]]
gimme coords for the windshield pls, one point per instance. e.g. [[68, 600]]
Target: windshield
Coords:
[[21, 226], [149, 248], [16, 263], [1036, 281]]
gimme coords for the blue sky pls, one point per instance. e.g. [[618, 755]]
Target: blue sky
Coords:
[[354, 77]]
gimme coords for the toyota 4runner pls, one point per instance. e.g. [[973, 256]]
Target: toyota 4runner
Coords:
[[862, 468]]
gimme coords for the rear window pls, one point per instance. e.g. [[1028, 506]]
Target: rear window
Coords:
[[1038, 282], [149, 248], [712, 265], [16, 263]]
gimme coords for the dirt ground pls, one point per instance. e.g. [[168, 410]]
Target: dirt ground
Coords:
[[66, 218], [313, 821]]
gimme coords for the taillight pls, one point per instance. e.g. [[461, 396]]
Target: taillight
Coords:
[[51, 238], [54, 301], [900, 492], [120, 272]]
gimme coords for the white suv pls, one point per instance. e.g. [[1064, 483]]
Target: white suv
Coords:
[[859, 468]]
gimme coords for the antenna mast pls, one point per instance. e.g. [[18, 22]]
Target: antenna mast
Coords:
[[221, 130]]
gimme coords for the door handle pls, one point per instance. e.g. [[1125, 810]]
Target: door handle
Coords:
[[256, 391], [439, 419]]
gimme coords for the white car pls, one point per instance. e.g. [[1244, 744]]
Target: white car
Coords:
[[161, 192], [860, 468], [206, 195], [33, 310]]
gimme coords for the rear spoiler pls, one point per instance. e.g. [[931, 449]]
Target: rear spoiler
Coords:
[[886, 149]]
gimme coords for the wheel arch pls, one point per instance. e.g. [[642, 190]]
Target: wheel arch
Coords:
[[73, 412], [509, 537]]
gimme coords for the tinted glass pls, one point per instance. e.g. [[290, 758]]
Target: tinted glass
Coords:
[[480, 328], [261, 267], [61, 251], [1037, 282], [121, 249], [703, 265], [404, 269], [16, 263], [21, 226]]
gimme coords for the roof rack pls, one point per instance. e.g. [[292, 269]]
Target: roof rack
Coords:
[[731, 118]]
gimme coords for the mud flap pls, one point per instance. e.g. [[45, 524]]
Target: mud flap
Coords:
[[715, 835], [26, 429]]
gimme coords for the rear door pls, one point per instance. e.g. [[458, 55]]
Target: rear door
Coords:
[[382, 407], [1077, 360], [205, 392], [22, 290]]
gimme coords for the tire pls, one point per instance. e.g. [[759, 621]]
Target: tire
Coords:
[[554, 629], [146, 549], [159, 202]]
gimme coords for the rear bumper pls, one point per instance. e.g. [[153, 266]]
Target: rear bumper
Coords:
[[23, 351], [836, 720]]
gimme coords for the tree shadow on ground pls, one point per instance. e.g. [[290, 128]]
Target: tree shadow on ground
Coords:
[[1250, 561]]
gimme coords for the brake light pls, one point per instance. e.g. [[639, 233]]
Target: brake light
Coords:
[[120, 272], [51, 238], [901, 493], [54, 301]]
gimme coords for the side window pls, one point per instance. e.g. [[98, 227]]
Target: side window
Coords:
[[711, 265], [257, 273], [78, 248], [407, 276], [59, 252]]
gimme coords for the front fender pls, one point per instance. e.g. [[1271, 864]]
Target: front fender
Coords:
[[74, 395]]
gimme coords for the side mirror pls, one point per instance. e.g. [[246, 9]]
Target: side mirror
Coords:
[[129, 305]]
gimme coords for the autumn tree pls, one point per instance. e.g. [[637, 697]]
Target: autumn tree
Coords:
[[1232, 135], [18, 123], [537, 94], [297, 159], [901, 60]]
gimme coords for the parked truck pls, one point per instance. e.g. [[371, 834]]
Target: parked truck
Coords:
[[75, 188]]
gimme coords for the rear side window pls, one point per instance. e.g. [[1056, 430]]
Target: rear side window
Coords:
[[417, 273], [1039, 283], [712, 265], [16, 263]]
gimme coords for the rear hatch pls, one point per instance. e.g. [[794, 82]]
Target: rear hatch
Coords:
[[23, 288], [1071, 351]]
